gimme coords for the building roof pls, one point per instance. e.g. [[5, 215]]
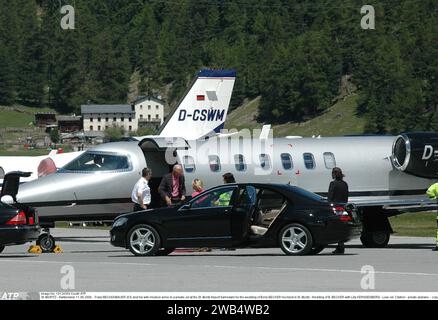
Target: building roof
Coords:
[[106, 108], [141, 99], [69, 118]]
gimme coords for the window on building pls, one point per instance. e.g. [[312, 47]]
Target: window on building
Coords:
[[141, 116], [106, 127], [149, 107], [99, 128], [189, 164], [149, 117], [99, 119], [141, 107], [265, 161], [157, 116], [286, 160], [157, 107], [329, 160], [239, 162], [122, 119], [106, 119], [309, 161], [130, 119], [91, 128], [114, 119], [214, 162], [91, 119], [130, 128]]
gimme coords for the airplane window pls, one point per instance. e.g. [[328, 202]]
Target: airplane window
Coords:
[[265, 161], [189, 164], [96, 161], [215, 163], [2, 173], [217, 198], [286, 160], [309, 161], [329, 160], [239, 162]]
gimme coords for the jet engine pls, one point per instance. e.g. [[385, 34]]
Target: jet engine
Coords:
[[417, 154]]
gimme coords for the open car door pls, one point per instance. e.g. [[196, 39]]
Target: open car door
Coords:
[[11, 183], [243, 213]]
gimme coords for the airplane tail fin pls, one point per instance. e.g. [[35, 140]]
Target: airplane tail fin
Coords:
[[204, 107]]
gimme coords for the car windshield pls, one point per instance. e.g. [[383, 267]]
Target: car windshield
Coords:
[[98, 161]]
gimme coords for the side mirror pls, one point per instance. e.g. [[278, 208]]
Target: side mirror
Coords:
[[7, 199]]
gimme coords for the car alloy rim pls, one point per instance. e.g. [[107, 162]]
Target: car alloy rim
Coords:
[[294, 239], [142, 240], [379, 237]]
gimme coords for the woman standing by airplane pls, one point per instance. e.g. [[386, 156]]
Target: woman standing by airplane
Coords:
[[338, 192]]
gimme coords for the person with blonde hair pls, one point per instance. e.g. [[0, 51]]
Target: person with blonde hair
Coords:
[[198, 187]]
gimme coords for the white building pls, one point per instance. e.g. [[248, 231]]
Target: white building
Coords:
[[101, 117], [149, 111]]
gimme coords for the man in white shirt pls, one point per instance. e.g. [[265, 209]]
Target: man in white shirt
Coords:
[[141, 194]]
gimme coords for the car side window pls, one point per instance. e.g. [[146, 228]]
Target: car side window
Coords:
[[247, 196], [217, 198]]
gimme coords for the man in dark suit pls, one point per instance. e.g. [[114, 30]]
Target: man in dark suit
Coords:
[[172, 187]]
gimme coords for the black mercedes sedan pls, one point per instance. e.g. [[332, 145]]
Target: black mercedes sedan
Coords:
[[240, 216], [18, 223]]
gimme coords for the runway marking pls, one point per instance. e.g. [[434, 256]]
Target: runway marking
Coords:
[[222, 267]]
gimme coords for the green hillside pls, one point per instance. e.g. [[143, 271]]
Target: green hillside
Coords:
[[340, 119]]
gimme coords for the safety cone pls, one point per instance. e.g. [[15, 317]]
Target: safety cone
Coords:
[[57, 249], [35, 249]]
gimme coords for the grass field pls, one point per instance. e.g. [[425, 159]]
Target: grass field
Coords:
[[21, 117], [419, 224], [340, 119]]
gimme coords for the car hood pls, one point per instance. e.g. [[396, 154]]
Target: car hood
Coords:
[[151, 212], [11, 183]]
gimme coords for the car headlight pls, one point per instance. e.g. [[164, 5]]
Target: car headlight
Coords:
[[120, 222]]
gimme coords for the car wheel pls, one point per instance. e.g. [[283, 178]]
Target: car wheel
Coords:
[[165, 251], [375, 239], [295, 240], [2, 248], [317, 249], [143, 240], [46, 242]]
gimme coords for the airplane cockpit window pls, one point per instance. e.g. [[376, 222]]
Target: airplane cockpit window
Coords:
[[239, 162], [309, 161], [189, 164], [329, 160], [215, 163], [2, 173], [286, 160], [97, 162], [265, 161]]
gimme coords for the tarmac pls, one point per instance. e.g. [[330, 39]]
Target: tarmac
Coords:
[[406, 265]]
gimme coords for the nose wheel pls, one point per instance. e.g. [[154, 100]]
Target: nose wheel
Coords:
[[46, 242]]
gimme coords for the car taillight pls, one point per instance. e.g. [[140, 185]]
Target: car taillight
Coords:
[[342, 213], [31, 221], [19, 219]]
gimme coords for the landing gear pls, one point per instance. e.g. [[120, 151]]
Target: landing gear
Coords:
[[375, 239], [46, 241], [376, 227]]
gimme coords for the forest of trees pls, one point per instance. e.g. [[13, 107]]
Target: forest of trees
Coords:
[[292, 53]]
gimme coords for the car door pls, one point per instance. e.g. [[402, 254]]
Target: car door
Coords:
[[243, 213], [206, 221]]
